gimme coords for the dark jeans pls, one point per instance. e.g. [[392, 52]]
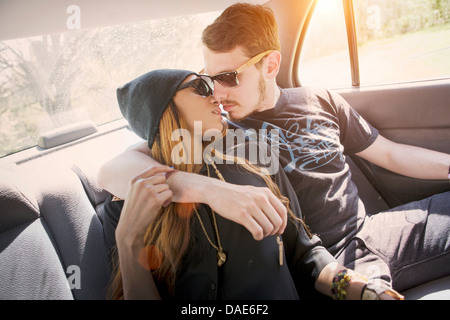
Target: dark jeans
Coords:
[[405, 246]]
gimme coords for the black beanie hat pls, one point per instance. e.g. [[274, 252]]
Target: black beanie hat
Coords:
[[143, 100]]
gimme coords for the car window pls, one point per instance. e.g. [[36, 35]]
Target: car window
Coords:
[[398, 41], [54, 80]]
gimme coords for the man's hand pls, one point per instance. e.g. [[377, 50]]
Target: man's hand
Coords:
[[255, 208]]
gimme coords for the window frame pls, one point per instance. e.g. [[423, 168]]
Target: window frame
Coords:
[[352, 41], [350, 25]]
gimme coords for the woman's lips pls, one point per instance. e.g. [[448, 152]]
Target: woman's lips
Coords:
[[217, 111]]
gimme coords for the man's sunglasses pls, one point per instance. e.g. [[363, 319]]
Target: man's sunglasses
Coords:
[[204, 84], [200, 85], [229, 79]]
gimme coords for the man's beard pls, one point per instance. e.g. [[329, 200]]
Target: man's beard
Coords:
[[262, 88]]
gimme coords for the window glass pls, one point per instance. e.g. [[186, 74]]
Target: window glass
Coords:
[[324, 59], [402, 41], [55, 80], [398, 41]]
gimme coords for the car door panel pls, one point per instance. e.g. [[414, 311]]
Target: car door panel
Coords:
[[415, 114]]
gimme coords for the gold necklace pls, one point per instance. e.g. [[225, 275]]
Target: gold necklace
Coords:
[[221, 255]]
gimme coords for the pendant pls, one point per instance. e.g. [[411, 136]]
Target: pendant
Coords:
[[221, 258], [280, 249]]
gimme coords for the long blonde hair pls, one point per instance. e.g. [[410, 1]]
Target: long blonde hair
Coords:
[[167, 237]]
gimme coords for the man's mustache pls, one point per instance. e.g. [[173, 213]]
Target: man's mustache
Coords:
[[229, 102]]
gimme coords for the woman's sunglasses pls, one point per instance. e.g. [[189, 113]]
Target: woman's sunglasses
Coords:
[[200, 85], [229, 79]]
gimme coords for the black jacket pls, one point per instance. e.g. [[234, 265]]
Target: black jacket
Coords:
[[252, 269]]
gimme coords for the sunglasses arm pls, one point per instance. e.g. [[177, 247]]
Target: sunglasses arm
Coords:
[[253, 61]]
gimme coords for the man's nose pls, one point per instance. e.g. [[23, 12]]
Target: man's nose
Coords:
[[220, 92]]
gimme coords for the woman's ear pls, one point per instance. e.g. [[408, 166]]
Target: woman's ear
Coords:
[[272, 64]]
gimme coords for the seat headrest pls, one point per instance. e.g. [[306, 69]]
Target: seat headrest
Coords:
[[18, 203]]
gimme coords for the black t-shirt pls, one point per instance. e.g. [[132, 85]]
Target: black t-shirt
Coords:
[[316, 129], [252, 269]]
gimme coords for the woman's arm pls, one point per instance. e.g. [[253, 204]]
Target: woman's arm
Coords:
[[326, 276], [148, 192], [354, 288], [137, 279]]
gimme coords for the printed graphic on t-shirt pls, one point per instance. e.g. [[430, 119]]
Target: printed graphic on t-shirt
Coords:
[[308, 147]]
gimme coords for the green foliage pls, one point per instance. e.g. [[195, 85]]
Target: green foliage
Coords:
[[54, 80], [385, 18]]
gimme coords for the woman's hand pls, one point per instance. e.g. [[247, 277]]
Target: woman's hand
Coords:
[[355, 287], [148, 192]]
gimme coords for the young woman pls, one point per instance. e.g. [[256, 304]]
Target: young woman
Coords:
[[164, 249]]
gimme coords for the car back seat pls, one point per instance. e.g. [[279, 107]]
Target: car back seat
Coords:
[[51, 238]]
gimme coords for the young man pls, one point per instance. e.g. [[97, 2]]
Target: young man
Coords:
[[317, 129]]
